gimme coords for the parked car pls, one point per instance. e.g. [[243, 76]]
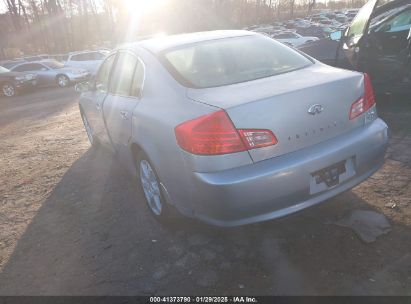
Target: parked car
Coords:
[[51, 72], [88, 60], [33, 58], [13, 82], [378, 42], [293, 38], [232, 127], [8, 64]]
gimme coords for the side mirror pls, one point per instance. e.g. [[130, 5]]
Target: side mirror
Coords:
[[82, 87], [336, 36], [386, 28]]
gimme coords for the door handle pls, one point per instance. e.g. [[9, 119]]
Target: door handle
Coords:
[[124, 115]]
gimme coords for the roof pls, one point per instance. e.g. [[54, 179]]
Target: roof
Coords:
[[161, 43]]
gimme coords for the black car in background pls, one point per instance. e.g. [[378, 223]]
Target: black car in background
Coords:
[[377, 42], [13, 82]]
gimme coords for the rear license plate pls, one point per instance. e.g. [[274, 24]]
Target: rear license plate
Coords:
[[331, 176]]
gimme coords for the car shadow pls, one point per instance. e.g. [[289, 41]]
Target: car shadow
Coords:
[[94, 236]]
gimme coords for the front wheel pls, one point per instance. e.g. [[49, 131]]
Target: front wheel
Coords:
[[63, 81], [89, 131], [8, 89]]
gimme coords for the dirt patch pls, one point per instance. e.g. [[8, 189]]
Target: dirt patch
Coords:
[[34, 157]]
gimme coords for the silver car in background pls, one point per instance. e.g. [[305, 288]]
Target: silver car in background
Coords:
[[88, 60], [52, 72], [232, 127]]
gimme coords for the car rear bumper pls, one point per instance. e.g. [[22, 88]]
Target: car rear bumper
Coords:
[[280, 186]]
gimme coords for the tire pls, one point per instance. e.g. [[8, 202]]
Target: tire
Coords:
[[62, 81], [89, 130], [8, 89], [150, 186]]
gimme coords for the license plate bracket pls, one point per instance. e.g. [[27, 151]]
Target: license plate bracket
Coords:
[[331, 176]]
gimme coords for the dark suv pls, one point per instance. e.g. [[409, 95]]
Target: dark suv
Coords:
[[13, 82], [378, 42]]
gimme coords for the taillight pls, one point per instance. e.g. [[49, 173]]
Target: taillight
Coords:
[[257, 138], [214, 134], [365, 102]]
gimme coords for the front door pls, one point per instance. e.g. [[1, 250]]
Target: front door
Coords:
[[96, 98], [389, 45], [353, 42]]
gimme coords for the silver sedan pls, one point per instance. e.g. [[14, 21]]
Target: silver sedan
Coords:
[[52, 72], [232, 127]]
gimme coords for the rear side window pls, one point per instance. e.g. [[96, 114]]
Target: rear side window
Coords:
[[231, 60], [138, 80], [122, 76], [102, 78]]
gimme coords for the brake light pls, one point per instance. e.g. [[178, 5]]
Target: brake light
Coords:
[[366, 101], [257, 138], [215, 134]]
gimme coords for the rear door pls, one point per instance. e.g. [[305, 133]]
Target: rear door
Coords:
[[353, 38], [123, 97]]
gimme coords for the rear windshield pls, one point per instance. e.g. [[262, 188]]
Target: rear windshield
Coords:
[[232, 60]]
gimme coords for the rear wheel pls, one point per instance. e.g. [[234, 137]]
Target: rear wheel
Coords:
[[150, 184], [8, 89], [63, 81]]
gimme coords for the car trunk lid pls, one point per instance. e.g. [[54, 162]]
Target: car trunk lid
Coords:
[[281, 104]]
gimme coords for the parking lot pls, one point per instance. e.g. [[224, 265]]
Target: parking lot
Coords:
[[74, 223]]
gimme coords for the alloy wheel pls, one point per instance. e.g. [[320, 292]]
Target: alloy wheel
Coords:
[[150, 187], [62, 81], [88, 129], [8, 90]]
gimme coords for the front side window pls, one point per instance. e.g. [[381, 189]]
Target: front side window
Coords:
[[122, 76], [29, 67], [231, 60], [401, 22], [103, 75]]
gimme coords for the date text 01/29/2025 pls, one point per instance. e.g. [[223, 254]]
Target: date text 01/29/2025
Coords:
[[206, 299]]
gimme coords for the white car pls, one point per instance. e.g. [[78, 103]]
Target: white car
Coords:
[[292, 38], [88, 60]]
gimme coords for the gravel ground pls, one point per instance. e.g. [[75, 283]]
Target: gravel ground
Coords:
[[73, 223]]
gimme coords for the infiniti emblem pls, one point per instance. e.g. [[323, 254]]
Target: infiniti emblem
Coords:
[[315, 109]]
